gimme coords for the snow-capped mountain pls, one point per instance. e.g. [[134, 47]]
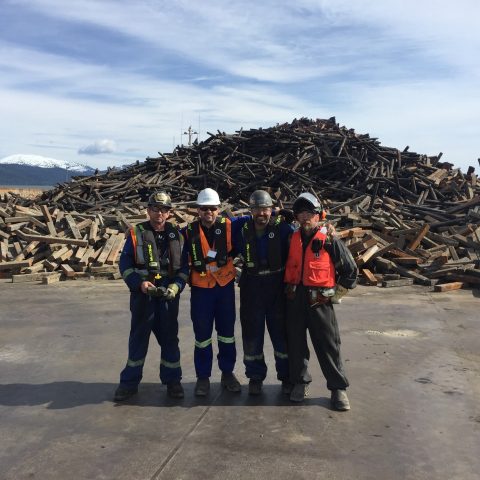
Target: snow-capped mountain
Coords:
[[38, 170], [44, 162]]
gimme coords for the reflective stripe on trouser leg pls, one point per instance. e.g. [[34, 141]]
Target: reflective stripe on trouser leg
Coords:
[[140, 329], [252, 318], [202, 308], [225, 326], [166, 330]]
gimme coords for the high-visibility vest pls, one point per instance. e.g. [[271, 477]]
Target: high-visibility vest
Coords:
[[206, 272], [274, 247], [147, 257], [315, 268]]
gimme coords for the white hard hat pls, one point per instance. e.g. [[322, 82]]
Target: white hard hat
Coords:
[[307, 200], [209, 197]]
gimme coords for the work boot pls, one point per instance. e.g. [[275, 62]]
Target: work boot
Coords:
[[202, 387], [123, 393], [339, 400], [175, 390], [287, 387], [229, 382], [298, 393], [255, 387]]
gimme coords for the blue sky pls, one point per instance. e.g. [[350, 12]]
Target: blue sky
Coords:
[[107, 82]]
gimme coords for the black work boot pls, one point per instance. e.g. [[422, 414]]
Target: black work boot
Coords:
[[123, 393], [287, 387], [339, 400], [202, 387], [229, 381], [175, 390], [255, 387], [298, 393]]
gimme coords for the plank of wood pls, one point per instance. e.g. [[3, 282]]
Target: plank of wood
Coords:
[[50, 239], [51, 279], [116, 249], [16, 265], [102, 258], [402, 282], [363, 259], [73, 226], [369, 276], [31, 277], [67, 270], [416, 241], [447, 287]]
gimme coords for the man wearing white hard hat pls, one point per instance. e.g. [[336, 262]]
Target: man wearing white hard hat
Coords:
[[319, 270], [208, 250]]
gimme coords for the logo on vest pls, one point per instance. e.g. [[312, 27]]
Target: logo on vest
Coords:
[[271, 235], [171, 235], [218, 231]]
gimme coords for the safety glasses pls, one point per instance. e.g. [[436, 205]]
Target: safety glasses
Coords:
[[207, 209], [159, 209]]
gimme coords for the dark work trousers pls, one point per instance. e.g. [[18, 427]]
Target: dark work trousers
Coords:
[[262, 301], [321, 323], [209, 306], [152, 314]]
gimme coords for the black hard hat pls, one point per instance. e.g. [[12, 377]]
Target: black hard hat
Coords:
[[260, 198], [306, 202], [160, 199]]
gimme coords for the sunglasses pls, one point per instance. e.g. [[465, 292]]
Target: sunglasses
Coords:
[[206, 209]]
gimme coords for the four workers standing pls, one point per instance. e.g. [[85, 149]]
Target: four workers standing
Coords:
[[287, 283]]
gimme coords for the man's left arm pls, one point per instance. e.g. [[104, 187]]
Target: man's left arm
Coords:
[[345, 266]]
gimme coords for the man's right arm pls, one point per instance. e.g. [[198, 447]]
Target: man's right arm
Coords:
[[127, 266]]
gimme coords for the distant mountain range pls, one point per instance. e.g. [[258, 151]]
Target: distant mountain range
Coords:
[[37, 170]]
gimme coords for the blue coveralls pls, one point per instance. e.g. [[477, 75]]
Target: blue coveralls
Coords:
[[209, 306], [150, 314], [262, 301]]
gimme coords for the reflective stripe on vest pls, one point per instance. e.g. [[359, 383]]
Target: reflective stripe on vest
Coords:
[[219, 271], [274, 248], [318, 269], [174, 248]]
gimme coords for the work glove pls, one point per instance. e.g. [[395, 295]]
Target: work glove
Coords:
[[172, 291], [288, 215], [339, 293]]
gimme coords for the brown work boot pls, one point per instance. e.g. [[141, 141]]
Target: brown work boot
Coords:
[[230, 383], [202, 387], [175, 390], [339, 400], [255, 387]]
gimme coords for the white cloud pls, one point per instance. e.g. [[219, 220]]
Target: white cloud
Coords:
[[98, 147], [405, 71]]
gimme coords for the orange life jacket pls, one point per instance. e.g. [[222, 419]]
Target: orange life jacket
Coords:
[[221, 270], [314, 269]]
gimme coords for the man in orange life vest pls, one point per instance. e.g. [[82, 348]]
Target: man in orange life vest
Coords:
[[150, 266], [319, 269], [208, 250]]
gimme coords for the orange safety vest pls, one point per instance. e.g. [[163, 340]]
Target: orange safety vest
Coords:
[[317, 269], [212, 273]]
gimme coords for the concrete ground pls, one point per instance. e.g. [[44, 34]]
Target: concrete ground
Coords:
[[412, 357]]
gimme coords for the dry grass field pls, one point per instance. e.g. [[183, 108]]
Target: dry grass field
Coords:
[[25, 192]]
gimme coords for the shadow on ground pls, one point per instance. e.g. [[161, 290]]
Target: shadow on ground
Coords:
[[62, 395]]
